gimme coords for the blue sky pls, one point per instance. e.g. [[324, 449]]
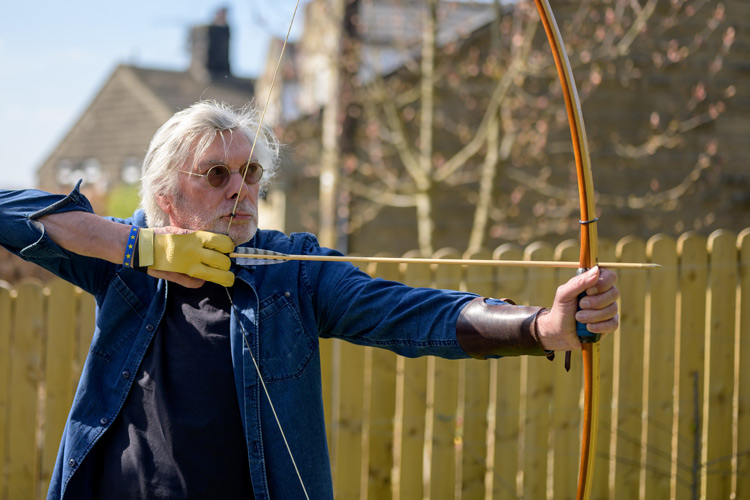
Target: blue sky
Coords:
[[54, 57]]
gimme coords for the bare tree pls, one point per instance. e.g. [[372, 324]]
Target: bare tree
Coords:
[[484, 109]]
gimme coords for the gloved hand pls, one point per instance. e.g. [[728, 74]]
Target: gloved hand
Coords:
[[200, 254]]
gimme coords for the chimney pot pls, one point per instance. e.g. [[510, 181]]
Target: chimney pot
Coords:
[[210, 49]]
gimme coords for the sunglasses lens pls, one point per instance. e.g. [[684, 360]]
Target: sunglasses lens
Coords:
[[252, 172], [217, 176]]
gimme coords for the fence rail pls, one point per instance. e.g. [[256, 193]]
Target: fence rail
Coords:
[[675, 398]]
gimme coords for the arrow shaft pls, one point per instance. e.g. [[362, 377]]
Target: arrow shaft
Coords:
[[458, 262]]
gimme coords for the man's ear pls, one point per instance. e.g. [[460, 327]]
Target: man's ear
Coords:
[[165, 203]]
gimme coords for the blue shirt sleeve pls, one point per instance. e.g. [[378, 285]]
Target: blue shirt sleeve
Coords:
[[24, 235], [379, 313]]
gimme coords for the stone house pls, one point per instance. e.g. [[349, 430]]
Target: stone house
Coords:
[[106, 145]]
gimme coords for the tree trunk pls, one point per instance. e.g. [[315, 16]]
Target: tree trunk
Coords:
[[337, 126], [425, 223], [331, 158], [486, 184]]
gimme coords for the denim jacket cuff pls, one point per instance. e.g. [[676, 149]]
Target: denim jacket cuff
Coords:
[[44, 246], [74, 201]]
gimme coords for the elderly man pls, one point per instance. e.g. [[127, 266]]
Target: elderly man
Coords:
[[194, 358]]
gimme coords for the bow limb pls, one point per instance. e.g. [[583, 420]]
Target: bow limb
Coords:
[[589, 245]]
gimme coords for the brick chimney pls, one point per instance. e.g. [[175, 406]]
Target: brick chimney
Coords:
[[210, 49]]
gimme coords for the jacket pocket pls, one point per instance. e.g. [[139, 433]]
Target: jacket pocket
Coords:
[[286, 347], [119, 318]]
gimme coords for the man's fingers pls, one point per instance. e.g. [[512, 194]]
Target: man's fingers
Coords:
[[606, 280], [202, 274], [223, 278], [569, 292], [180, 279], [596, 315], [216, 260], [199, 254], [214, 241], [600, 300], [593, 283], [604, 327]]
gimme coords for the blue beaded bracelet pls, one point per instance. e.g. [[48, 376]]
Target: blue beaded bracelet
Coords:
[[130, 247]]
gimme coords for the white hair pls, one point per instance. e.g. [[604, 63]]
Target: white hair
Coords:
[[188, 134]]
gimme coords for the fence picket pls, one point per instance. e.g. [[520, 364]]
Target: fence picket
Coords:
[[742, 439], [692, 254], [25, 376], [659, 348], [537, 389], [349, 463], [60, 351], [428, 428], [412, 380], [627, 416], [476, 394], [504, 480], [6, 321], [442, 391], [719, 369], [382, 431]]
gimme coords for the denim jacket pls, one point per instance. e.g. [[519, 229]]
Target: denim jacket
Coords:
[[284, 309]]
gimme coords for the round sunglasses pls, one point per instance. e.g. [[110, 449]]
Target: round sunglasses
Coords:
[[218, 176]]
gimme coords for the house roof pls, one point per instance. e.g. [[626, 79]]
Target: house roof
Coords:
[[390, 24], [392, 32], [113, 132], [178, 90]]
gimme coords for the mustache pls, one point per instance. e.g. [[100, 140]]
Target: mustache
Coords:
[[242, 208]]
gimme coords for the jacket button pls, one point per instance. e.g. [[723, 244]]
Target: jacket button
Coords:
[[72, 462], [287, 294], [103, 421], [126, 374], [149, 328]]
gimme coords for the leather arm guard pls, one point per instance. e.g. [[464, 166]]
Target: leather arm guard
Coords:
[[485, 330]]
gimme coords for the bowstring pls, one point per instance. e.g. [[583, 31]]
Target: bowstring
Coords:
[[231, 219], [265, 391], [263, 115]]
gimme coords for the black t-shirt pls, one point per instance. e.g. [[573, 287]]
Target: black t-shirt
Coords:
[[179, 434]]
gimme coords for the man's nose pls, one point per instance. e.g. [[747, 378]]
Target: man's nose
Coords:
[[236, 186]]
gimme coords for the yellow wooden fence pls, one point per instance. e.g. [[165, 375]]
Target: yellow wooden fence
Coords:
[[674, 415]]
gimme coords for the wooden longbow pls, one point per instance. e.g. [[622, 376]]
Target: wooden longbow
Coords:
[[589, 243], [589, 256]]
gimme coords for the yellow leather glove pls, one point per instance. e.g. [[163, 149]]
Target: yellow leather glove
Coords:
[[200, 254]]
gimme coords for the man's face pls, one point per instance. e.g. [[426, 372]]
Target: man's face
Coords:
[[199, 206]]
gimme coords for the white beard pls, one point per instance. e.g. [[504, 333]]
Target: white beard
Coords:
[[193, 216]]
